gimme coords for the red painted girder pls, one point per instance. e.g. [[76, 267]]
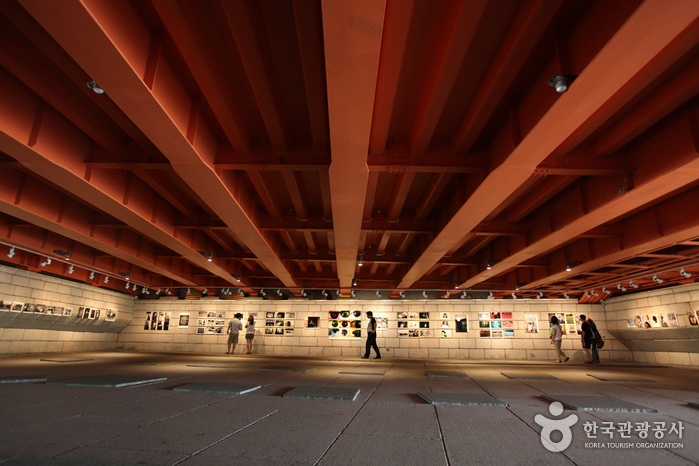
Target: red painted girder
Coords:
[[325, 195], [401, 188], [331, 242], [525, 32], [681, 87], [683, 227], [548, 188], [264, 191], [289, 240], [383, 242], [186, 32], [479, 243], [434, 190], [308, 18], [117, 56], [404, 243], [221, 237], [310, 242], [30, 200], [372, 186], [56, 155], [352, 34], [161, 184], [254, 50], [517, 193], [456, 37], [292, 186], [399, 16], [648, 43]]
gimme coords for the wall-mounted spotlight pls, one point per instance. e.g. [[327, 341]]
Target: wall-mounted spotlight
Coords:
[[570, 265], [685, 274], [565, 295], [46, 262], [456, 285], [446, 295], [378, 293], [303, 293], [561, 82], [633, 284], [619, 287], [206, 291], [11, 253], [324, 293], [339, 293], [587, 294], [490, 263], [401, 294], [424, 294], [263, 293], [464, 295], [93, 85], [189, 290], [127, 285], [604, 290], [279, 292], [360, 262], [514, 296], [158, 292], [92, 275], [144, 290], [517, 285], [168, 291], [354, 282], [657, 280], [353, 294], [490, 295], [126, 275], [595, 294], [106, 279], [540, 295]]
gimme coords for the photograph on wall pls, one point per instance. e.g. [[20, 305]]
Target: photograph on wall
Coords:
[[496, 334], [531, 323], [630, 323], [184, 320], [311, 322], [17, 306], [59, 311], [424, 315], [663, 320], [67, 311], [461, 323], [508, 333], [444, 333], [424, 333], [98, 314], [638, 322], [444, 324], [28, 307], [694, 316], [269, 330], [495, 324], [483, 324], [40, 309], [201, 330], [291, 315], [288, 323], [655, 321], [51, 310], [413, 324], [672, 319], [280, 315], [145, 327], [445, 316], [110, 315], [424, 324], [160, 321], [485, 333], [402, 333], [402, 324], [506, 316], [381, 323], [279, 331], [484, 316], [269, 323], [86, 313], [269, 315], [5, 305], [344, 324], [93, 313], [508, 324], [412, 315], [289, 331], [401, 315], [153, 321], [561, 321], [413, 333]]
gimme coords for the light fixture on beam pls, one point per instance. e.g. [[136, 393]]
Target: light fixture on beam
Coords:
[[565, 295], [354, 281], [517, 285], [446, 295], [490, 295], [401, 294], [93, 85], [604, 290], [360, 262], [126, 275], [127, 285], [353, 294], [619, 287], [587, 294], [324, 293], [65, 254], [378, 293], [657, 280], [561, 82], [206, 291], [424, 294], [158, 292], [106, 279], [303, 293], [595, 293], [685, 274], [339, 293], [540, 295], [46, 262], [92, 275], [514, 296], [490, 263], [11, 253], [631, 283], [570, 265], [464, 295]]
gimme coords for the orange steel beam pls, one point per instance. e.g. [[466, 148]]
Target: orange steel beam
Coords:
[[530, 23], [372, 185], [399, 15], [457, 35], [31, 200], [649, 43], [435, 189], [177, 18], [254, 51], [309, 31], [653, 179], [548, 188], [352, 34], [161, 184], [292, 186], [111, 42], [401, 188], [263, 190], [47, 144]]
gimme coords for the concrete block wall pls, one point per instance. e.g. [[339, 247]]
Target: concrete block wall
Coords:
[[315, 342], [36, 335], [679, 299]]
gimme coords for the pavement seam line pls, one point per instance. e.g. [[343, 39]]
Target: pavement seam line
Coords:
[[224, 438], [441, 436]]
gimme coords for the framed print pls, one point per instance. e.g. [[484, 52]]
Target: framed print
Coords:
[[184, 320], [110, 315]]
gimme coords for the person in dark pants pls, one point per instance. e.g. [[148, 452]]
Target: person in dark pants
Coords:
[[593, 342], [586, 338], [371, 337]]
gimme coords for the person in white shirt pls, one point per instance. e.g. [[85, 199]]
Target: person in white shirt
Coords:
[[556, 337], [234, 327], [250, 332]]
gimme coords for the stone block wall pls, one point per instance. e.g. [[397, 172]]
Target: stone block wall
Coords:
[[674, 345], [315, 342], [36, 333]]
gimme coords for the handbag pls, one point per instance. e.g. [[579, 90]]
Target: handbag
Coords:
[[598, 341]]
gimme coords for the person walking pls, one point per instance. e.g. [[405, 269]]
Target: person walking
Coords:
[[234, 327], [371, 337], [250, 332], [556, 338], [593, 342], [586, 338]]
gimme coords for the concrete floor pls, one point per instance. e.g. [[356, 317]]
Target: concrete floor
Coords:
[[388, 423]]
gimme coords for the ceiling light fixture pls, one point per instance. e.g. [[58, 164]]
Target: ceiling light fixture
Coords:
[[360, 262], [206, 291], [126, 275], [490, 263], [11, 253], [561, 82], [587, 294], [565, 295], [424, 294], [491, 296], [354, 282], [517, 285], [540, 295], [619, 287], [303, 293], [324, 293], [401, 294], [339, 293], [93, 85], [106, 279], [353, 294], [657, 280], [158, 292], [378, 293], [464, 295], [514, 296], [604, 290], [46, 262], [685, 274], [631, 283], [446, 295], [127, 285]]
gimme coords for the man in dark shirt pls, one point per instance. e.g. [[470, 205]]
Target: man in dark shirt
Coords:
[[586, 338]]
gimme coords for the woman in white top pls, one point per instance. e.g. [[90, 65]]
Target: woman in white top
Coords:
[[556, 337], [250, 332]]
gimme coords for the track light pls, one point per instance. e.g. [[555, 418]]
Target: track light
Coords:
[[144, 290], [446, 295], [354, 282], [46, 262], [68, 255], [587, 295], [263, 293], [360, 261], [303, 293], [189, 290], [514, 296], [657, 280], [279, 292], [401, 294], [604, 290], [565, 295], [456, 285], [490, 295], [158, 292], [595, 294], [424, 294], [540, 295], [126, 275], [561, 82], [517, 285], [339, 293], [206, 291], [378, 293], [240, 292], [93, 85], [490, 263], [106, 279], [619, 287], [92, 275], [71, 269], [11, 253], [685, 274], [127, 286], [353, 294], [324, 293], [633, 284]]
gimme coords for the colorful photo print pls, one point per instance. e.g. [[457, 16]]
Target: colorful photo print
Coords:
[[638, 322], [494, 315], [311, 322], [495, 324], [485, 333], [484, 324], [506, 315], [508, 324], [630, 323], [484, 316], [508, 333], [444, 324], [496, 333], [444, 316], [531, 323], [344, 324]]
